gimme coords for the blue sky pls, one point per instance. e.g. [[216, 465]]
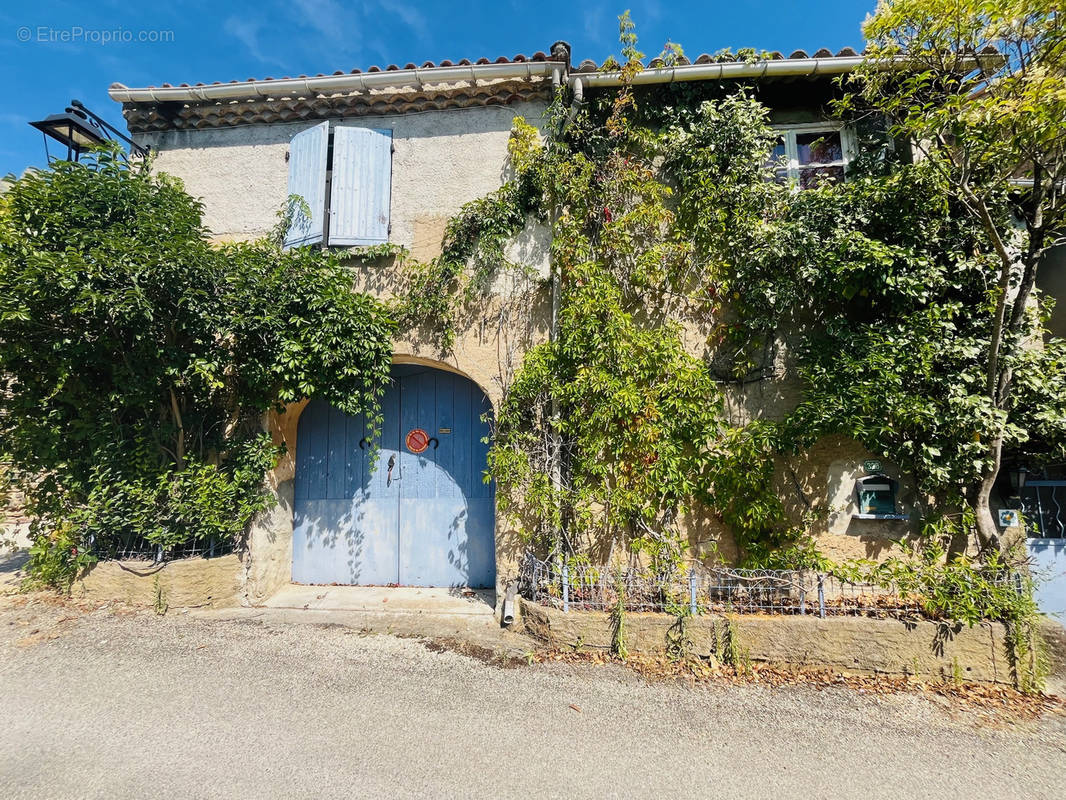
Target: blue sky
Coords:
[[223, 41]]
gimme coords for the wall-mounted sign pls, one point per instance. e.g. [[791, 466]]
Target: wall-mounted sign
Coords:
[[1009, 518], [871, 465], [417, 440]]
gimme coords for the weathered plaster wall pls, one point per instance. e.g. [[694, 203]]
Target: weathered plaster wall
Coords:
[[442, 159], [846, 644], [818, 489]]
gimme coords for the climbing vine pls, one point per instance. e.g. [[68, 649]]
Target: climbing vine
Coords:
[[684, 271], [472, 252]]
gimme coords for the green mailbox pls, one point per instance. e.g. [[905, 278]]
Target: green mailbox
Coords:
[[877, 496]]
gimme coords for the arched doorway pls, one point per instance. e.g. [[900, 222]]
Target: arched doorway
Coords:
[[424, 516]]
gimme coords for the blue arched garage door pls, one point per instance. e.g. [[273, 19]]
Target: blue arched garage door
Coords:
[[421, 518]]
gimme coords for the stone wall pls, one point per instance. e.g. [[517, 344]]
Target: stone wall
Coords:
[[441, 160], [188, 583], [846, 644]]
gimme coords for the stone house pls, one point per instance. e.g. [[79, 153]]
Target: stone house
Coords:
[[387, 156]]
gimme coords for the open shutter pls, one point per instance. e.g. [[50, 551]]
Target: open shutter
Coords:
[[362, 183], [307, 178]]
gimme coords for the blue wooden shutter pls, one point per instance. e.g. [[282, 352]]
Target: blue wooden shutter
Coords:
[[307, 178], [362, 183]]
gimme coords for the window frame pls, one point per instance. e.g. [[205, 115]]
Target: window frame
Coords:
[[789, 134]]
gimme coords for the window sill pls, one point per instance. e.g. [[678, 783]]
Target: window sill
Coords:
[[897, 517]]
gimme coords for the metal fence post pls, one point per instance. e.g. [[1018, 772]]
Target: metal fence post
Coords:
[[692, 592], [821, 595], [566, 587]]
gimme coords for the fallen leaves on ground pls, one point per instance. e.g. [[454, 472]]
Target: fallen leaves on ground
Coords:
[[990, 702]]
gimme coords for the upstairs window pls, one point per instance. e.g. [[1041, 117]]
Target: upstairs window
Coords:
[[809, 155], [344, 176]]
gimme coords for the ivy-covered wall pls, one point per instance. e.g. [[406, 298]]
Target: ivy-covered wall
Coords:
[[667, 411], [444, 163]]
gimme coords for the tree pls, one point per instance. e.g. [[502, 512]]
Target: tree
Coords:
[[137, 358], [980, 97]]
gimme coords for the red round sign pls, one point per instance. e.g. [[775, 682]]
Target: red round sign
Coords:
[[417, 440]]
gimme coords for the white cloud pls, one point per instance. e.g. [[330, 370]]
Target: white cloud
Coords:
[[330, 19], [246, 31], [596, 24], [409, 16]]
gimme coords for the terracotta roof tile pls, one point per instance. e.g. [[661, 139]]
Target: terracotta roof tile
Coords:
[[518, 58], [145, 118]]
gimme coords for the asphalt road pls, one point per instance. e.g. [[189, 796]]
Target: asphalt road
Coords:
[[139, 706]]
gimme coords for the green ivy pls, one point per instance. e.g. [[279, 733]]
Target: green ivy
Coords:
[[138, 359], [667, 226], [472, 252]]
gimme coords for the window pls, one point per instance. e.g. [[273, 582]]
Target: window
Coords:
[[344, 176], [808, 155]]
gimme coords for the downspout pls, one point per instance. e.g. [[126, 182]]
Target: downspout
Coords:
[[578, 85], [507, 616], [556, 457]]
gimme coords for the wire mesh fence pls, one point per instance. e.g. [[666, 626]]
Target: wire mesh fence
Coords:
[[137, 548], [584, 587]]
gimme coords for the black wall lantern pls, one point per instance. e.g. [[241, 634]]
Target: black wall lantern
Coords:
[[78, 129], [1018, 474]]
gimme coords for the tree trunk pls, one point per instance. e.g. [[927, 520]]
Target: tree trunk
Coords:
[[179, 449], [980, 496], [1006, 332]]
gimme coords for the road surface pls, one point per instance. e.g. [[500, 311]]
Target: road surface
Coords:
[[99, 704]]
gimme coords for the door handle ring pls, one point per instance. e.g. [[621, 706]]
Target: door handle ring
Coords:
[[362, 443], [436, 442]]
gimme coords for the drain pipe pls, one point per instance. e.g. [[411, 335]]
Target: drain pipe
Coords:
[[578, 87], [766, 68], [507, 617]]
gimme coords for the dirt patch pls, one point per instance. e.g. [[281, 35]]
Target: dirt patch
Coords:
[[504, 659]]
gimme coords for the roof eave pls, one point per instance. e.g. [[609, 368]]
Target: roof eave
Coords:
[[333, 84]]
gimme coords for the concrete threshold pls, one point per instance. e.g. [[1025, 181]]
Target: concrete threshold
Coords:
[[451, 618], [386, 600]]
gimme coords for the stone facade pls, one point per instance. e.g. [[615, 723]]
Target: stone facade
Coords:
[[858, 645], [443, 159]]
